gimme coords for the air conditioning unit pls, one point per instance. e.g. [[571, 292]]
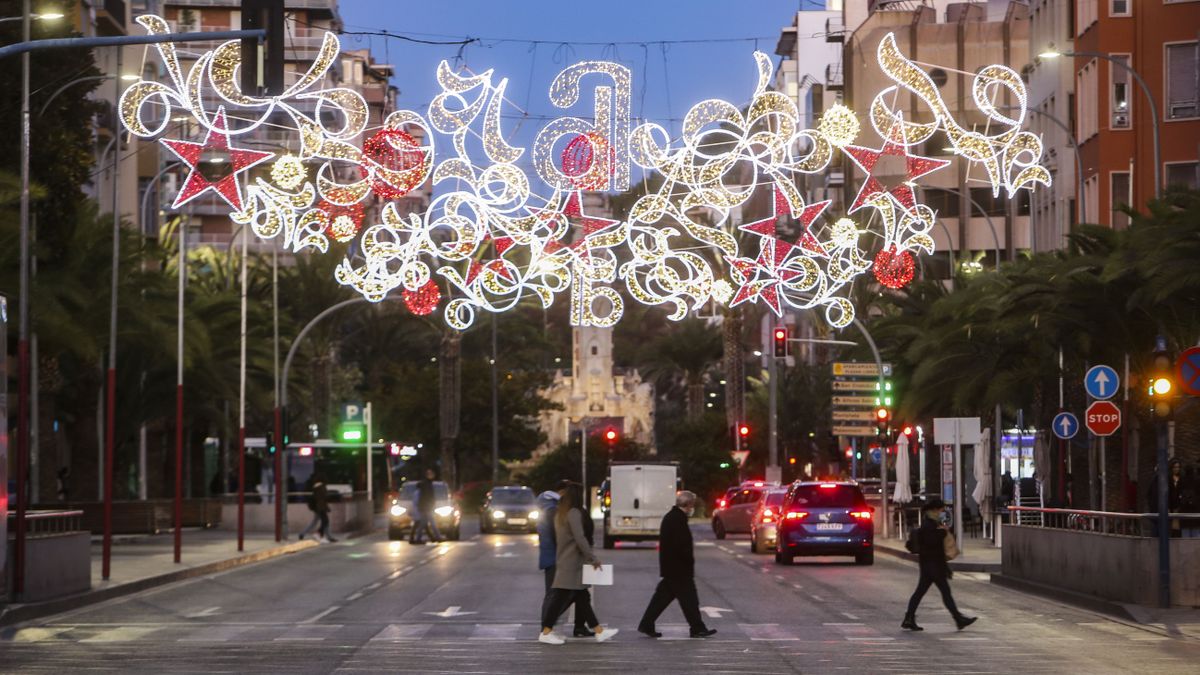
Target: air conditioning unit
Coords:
[[1120, 120], [835, 178]]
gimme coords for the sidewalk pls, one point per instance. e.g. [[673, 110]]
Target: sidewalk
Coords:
[[144, 561], [978, 555]]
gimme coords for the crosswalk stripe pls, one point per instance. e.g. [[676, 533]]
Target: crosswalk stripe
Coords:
[[403, 631], [495, 631], [38, 634], [771, 632], [122, 634]]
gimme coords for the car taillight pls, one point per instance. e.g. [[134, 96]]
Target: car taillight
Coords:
[[768, 516], [796, 515], [828, 486], [861, 515], [767, 513], [720, 503]]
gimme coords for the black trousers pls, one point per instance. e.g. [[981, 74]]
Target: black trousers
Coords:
[[579, 624], [669, 590], [560, 599], [929, 578]]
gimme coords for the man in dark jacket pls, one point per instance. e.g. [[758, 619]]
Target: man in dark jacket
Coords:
[[318, 503], [929, 543], [677, 565], [426, 502]]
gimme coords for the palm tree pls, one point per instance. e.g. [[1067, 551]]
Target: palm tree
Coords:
[[681, 358]]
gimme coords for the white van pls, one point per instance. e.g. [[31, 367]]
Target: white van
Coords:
[[636, 497]]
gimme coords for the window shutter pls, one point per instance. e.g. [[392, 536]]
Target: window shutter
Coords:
[[1183, 80]]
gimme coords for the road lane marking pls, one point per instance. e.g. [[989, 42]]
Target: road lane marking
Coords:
[[495, 631], [322, 615], [714, 612], [767, 632], [122, 634], [353, 596], [204, 612], [39, 634], [308, 633], [797, 586], [816, 597], [222, 633], [402, 631], [850, 616], [373, 586], [451, 612]]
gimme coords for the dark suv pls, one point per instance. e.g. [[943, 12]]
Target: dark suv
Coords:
[[825, 519]]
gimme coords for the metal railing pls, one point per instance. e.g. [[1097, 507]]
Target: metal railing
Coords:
[[1101, 522], [47, 523]]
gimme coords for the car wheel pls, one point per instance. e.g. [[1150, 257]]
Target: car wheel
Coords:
[[753, 544], [788, 559], [718, 528], [865, 558]]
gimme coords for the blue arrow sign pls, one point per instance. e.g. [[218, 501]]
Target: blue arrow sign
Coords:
[[1065, 425], [1101, 382]]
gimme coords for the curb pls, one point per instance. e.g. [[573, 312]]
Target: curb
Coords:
[[955, 565], [1082, 600], [25, 612]]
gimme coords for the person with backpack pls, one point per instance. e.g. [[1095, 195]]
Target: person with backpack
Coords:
[[935, 547]]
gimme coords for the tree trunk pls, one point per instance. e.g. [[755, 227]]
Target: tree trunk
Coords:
[[695, 395], [734, 366], [450, 395]]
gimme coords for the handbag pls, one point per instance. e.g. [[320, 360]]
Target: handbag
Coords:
[[950, 547]]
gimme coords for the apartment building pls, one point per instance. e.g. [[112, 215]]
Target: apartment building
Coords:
[[1114, 122]]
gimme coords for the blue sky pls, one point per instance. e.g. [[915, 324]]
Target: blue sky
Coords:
[[674, 77]]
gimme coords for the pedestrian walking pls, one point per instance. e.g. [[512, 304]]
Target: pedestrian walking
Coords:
[[318, 503], [677, 566], [425, 521], [572, 553], [930, 543], [547, 549]]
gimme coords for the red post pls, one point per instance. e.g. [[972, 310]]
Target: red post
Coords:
[[22, 465], [280, 449], [109, 440], [241, 487], [178, 472]]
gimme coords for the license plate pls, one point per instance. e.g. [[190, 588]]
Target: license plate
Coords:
[[829, 526], [517, 521]]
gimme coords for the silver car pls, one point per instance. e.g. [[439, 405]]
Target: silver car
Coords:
[[764, 524]]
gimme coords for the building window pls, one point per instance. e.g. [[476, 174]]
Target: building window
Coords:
[[1183, 175], [1119, 100], [1119, 196], [1183, 80], [1119, 7], [1087, 88], [595, 350]]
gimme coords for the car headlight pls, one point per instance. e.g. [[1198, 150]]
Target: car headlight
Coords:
[[534, 515], [444, 510], [398, 510], [498, 514]]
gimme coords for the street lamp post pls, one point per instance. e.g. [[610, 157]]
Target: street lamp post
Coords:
[[1053, 53], [983, 212]]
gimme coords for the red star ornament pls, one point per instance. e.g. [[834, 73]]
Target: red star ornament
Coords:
[[879, 166], [216, 146], [767, 227]]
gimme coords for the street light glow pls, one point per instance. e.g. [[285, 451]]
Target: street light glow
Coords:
[[49, 16]]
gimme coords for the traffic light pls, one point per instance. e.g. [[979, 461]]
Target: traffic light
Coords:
[[849, 452], [262, 62], [743, 431], [270, 443], [610, 435], [781, 341], [1161, 383], [884, 392], [792, 460], [907, 430], [883, 418]]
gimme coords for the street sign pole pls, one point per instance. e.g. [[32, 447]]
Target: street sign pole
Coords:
[[370, 460], [773, 470]]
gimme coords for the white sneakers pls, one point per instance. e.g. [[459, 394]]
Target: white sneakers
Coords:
[[553, 638]]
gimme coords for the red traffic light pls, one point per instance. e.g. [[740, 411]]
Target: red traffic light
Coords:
[[908, 430], [780, 334], [849, 452], [743, 430], [881, 413], [610, 435]]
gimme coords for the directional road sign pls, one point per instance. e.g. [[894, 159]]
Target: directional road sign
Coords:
[[841, 369], [1065, 425], [853, 430], [1103, 418], [856, 385], [848, 401], [1101, 382], [1188, 370], [853, 415]]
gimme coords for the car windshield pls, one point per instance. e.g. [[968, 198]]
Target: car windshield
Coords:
[[828, 496], [775, 498], [440, 491], [513, 496]]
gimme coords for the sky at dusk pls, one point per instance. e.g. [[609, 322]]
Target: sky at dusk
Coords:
[[667, 79]]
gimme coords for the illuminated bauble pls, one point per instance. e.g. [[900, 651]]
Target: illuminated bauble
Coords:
[[344, 221], [844, 233], [838, 125], [894, 269], [401, 155], [288, 172], [579, 161], [424, 300]]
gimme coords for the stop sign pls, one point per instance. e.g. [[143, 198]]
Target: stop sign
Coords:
[[1103, 418]]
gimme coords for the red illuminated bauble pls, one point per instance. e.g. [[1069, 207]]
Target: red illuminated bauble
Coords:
[[401, 158], [424, 300], [894, 269], [579, 161], [344, 221]]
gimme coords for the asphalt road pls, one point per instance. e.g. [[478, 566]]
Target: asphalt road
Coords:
[[472, 607]]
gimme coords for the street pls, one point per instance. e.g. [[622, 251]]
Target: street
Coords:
[[367, 604]]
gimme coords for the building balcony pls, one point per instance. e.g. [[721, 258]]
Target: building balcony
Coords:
[[835, 31], [833, 77], [110, 17]]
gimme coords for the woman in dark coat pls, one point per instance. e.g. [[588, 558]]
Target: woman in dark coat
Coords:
[[929, 543], [573, 552]]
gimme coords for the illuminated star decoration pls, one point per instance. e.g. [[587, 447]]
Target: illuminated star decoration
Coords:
[[572, 214], [884, 176], [217, 150], [764, 276]]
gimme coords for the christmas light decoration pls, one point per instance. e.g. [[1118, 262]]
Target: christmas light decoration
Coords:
[[493, 238]]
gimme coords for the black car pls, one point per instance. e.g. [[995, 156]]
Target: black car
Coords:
[[825, 519], [510, 507]]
